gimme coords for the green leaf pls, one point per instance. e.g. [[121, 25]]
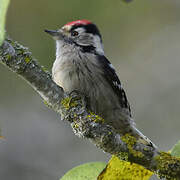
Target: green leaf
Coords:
[[176, 150], [3, 9], [89, 171]]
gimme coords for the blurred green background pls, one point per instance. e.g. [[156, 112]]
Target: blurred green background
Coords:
[[142, 41]]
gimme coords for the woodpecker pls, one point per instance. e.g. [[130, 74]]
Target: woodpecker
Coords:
[[81, 65]]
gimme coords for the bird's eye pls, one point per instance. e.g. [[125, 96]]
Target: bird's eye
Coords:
[[74, 33]]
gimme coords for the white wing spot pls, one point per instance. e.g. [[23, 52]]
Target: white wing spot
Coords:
[[111, 66], [117, 84]]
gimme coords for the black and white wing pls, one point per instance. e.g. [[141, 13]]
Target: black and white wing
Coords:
[[113, 80]]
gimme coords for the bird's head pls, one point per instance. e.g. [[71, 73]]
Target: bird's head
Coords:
[[81, 33]]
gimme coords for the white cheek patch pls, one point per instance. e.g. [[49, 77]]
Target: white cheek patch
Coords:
[[98, 45], [80, 30]]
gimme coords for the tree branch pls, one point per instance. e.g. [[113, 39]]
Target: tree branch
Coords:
[[86, 124]]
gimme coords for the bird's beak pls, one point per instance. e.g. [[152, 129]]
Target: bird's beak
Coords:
[[55, 34], [52, 32]]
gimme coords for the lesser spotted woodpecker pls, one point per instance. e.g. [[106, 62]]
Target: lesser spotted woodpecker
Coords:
[[81, 65]]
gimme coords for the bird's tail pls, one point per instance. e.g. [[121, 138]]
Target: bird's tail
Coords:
[[141, 138]]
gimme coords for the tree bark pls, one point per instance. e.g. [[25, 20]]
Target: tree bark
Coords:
[[86, 124]]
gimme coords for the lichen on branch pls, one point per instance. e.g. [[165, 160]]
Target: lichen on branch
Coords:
[[86, 124]]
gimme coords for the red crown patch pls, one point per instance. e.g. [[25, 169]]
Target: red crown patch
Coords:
[[78, 22]]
